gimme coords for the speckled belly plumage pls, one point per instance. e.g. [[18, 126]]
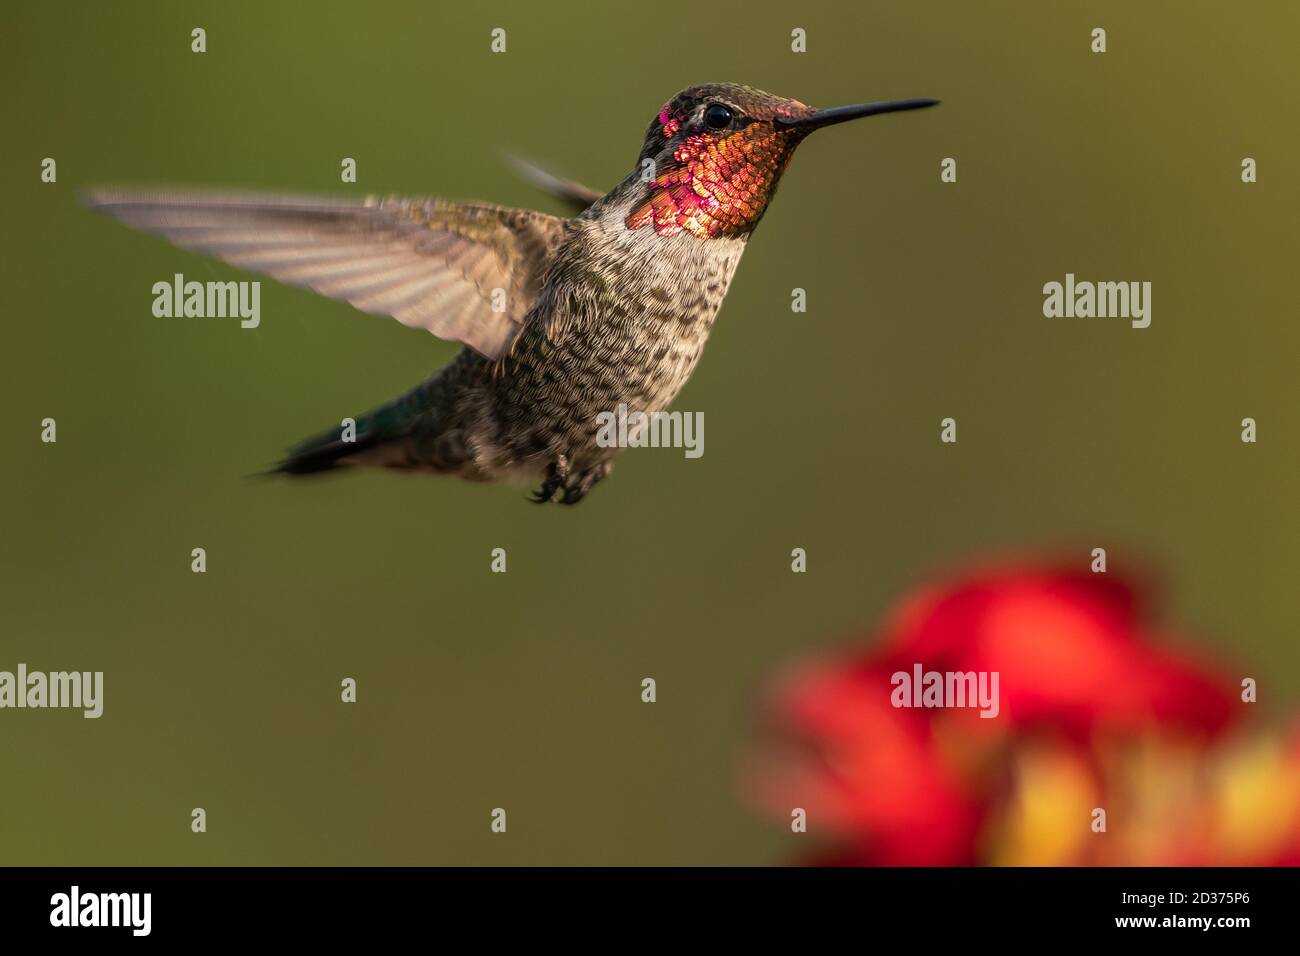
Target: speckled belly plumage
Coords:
[[622, 320]]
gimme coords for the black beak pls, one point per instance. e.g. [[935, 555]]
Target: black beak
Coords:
[[842, 114]]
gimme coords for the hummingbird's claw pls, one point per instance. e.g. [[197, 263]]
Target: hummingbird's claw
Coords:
[[576, 490], [556, 475]]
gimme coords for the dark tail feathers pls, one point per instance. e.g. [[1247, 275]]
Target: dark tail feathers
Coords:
[[326, 451]]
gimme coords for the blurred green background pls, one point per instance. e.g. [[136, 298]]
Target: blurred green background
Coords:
[[522, 690]]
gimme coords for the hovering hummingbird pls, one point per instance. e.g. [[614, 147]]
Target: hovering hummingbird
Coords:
[[562, 318]]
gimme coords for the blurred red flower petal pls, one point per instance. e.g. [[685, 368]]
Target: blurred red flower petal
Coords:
[[1070, 648], [1077, 664]]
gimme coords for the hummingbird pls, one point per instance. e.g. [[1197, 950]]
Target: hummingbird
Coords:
[[562, 318]]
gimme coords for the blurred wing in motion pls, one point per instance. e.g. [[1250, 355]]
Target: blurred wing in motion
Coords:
[[467, 272], [574, 195]]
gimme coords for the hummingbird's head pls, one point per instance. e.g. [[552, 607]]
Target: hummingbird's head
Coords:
[[713, 156]]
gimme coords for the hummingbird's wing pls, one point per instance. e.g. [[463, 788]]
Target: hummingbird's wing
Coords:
[[468, 272], [573, 194]]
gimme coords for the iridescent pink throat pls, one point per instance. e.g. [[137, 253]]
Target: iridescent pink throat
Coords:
[[721, 186]]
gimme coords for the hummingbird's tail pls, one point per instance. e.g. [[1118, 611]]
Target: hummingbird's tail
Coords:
[[331, 449], [354, 439], [389, 435]]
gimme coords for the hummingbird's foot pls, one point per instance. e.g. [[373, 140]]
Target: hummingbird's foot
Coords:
[[584, 481], [556, 475]]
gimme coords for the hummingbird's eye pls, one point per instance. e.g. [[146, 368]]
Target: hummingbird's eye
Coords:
[[717, 116]]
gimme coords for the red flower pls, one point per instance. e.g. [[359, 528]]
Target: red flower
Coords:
[[874, 770], [1088, 700], [1071, 647]]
